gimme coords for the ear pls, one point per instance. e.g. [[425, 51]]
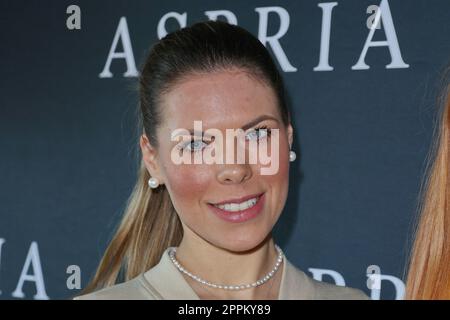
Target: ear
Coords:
[[149, 155], [290, 132]]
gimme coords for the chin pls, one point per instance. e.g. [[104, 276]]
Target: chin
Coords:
[[248, 242]]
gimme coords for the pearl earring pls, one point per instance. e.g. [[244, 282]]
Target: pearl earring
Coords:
[[153, 183], [292, 156]]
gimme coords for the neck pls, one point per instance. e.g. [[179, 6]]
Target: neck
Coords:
[[222, 266]]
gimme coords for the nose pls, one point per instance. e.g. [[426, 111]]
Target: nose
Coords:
[[234, 173]]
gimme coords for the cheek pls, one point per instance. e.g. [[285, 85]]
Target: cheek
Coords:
[[187, 185], [283, 173], [279, 182], [279, 162]]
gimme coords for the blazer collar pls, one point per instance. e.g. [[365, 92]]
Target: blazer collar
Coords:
[[170, 283]]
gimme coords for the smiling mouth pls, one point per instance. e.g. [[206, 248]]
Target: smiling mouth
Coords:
[[234, 206]]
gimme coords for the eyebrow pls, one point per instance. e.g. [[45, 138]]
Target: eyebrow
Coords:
[[248, 125]]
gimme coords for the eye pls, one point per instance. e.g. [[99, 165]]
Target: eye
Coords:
[[194, 145], [258, 133]]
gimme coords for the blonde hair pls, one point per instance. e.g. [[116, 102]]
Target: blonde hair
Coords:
[[150, 223], [429, 267]]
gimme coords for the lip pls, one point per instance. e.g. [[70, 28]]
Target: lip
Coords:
[[239, 200], [243, 215]]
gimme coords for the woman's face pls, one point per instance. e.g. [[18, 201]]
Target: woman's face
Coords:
[[223, 100]]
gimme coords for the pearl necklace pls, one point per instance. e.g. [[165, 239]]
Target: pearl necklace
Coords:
[[259, 282]]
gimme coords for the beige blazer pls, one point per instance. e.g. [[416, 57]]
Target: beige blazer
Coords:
[[165, 281]]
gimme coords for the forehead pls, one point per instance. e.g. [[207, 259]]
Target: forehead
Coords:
[[225, 99]]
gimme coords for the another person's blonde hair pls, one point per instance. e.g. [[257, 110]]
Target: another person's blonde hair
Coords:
[[429, 267]]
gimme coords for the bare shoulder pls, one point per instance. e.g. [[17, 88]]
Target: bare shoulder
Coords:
[[134, 289]]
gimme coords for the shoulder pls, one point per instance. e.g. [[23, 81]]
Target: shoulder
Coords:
[[328, 291], [134, 289], [299, 285]]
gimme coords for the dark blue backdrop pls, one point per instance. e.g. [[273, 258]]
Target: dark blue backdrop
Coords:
[[68, 136]]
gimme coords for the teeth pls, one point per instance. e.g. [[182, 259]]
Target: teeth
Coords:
[[234, 207]]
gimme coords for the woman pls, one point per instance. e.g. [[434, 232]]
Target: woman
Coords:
[[204, 231], [429, 269]]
